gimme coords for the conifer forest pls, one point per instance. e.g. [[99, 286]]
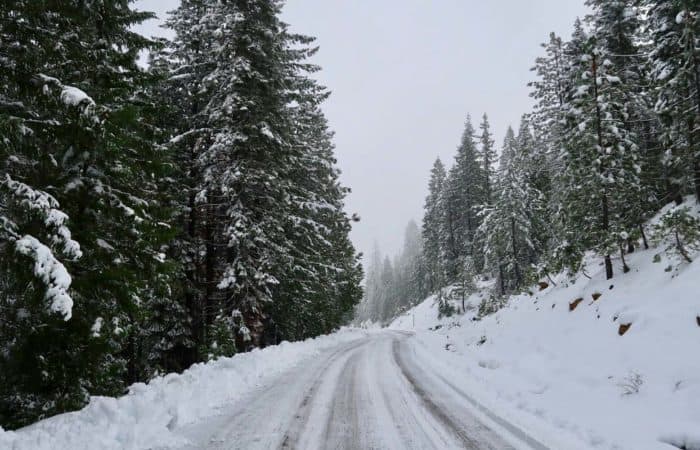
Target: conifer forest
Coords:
[[613, 137], [166, 202], [152, 219]]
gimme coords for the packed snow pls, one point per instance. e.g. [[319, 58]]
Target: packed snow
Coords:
[[150, 415]]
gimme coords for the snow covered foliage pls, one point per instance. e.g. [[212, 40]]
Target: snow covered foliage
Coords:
[[265, 233], [507, 227], [462, 197], [203, 194], [432, 227], [20, 199], [71, 174], [612, 138], [674, 28]]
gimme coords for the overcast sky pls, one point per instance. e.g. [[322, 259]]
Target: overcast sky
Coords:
[[404, 75]]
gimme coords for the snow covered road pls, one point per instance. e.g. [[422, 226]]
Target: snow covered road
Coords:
[[372, 393]]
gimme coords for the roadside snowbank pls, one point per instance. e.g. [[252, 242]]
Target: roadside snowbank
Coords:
[[148, 415], [562, 371]]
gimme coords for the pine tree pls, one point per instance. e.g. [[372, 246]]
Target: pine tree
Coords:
[[508, 226], [387, 302], [73, 68], [487, 157], [325, 269], [535, 164], [602, 161], [618, 27], [675, 27], [432, 227], [410, 268], [186, 62], [450, 227], [463, 197]]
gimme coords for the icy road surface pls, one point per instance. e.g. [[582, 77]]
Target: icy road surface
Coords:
[[367, 394]]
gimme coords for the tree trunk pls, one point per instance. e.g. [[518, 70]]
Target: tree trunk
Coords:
[[191, 288], [516, 266], [695, 151], [681, 248], [697, 178], [608, 267], [644, 237], [625, 267], [209, 307], [630, 245], [500, 275], [599, 128]]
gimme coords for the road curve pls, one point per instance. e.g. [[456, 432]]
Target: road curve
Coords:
[[367, 394]]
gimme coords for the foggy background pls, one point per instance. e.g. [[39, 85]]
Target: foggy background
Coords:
[[404, 75]]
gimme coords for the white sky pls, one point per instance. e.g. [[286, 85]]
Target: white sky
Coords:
[[404, 75]]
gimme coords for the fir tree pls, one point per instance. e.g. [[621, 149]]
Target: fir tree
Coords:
[[508, 227], [602, 161], [432, 227], [463, 198], [487, 157], [675, 30], [73, 68]]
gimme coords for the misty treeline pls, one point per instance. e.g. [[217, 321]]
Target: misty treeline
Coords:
[[393, 285], [155, 218], [613, 137]]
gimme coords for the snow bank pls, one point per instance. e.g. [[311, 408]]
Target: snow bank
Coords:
[[148, 415], [621, 370]]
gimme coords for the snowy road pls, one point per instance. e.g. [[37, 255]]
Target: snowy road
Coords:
[[367, 394]]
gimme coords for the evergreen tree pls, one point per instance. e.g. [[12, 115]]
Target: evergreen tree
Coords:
[[675, 30], [432, 227], [186, 62], [508, 227], [617, 28], [602, 161], [387, 301], [487, 157], [463, 197], [72, 67], [265, 234], [534, 162]]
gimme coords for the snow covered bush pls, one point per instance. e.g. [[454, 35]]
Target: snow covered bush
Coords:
[[679, 230], [631, 384]]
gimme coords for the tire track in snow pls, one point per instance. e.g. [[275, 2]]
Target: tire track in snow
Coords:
[[436, 410], [301, 417], [516, 432], [367, 394]]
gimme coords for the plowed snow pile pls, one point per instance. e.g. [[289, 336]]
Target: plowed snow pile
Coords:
[[151, 413]]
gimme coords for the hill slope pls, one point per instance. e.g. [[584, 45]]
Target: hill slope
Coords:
[[558, 365]]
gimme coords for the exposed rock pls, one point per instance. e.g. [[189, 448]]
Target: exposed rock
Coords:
[[574, 304]]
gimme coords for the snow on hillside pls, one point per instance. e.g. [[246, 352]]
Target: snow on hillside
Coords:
[[617, 369], [150, 415]]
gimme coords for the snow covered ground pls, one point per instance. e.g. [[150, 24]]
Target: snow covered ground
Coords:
[[152, 415], [564, 371], [583, 363], [352, 390], [369, 394]]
